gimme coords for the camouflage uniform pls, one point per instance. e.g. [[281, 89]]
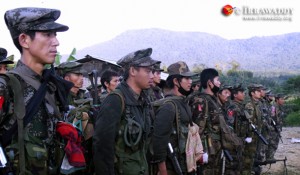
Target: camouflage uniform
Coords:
[[240, 124], [253, 107], [42, 154], [207, 113], [277, 116], [174, 113], [122, 127]]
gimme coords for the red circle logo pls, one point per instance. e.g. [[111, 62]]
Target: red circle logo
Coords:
[[227, 10]]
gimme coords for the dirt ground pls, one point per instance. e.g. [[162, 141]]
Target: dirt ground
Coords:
[[288, 149]]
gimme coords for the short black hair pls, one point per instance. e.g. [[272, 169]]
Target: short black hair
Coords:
[[30, 33], [107, 76], [207, 74], [169, 81]]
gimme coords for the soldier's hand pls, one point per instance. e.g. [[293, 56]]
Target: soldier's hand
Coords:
[[248, 139]]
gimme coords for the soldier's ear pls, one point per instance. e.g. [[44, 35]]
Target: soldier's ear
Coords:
[[24, 40]]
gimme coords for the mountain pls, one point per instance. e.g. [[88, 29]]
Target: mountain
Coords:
[[270, 53]]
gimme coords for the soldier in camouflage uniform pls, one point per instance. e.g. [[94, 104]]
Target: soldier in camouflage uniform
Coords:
[[278, 116], [208, 114], [33, 147], [4, 61], [254, 109], [266, 126], [155, 92], [196, 83], [174, 113], [240, 124], [122, 130]]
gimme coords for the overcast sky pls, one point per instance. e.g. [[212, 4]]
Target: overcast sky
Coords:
[[95, 21]]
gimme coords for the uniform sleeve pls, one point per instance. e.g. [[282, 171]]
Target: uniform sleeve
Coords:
[[106, 129], [162, 131], [198, 107]]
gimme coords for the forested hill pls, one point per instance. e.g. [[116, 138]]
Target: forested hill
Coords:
[[271, 53]]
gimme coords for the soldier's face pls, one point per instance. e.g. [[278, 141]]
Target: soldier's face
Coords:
[[240, 96], [256, 94], [224, 95], [143, 77], [156, 77], [42, 48], [112, 84], [76, 79], [3, 68], [186, 83], [281, 101], [216, 81]]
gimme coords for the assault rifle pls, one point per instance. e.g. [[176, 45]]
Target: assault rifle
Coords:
[[261, 137], [258, 163], [276, 129], [174, 160]]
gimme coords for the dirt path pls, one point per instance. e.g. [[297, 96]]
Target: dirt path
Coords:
[[288, 149]]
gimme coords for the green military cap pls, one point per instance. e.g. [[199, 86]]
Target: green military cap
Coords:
[[3, 57], [254, 87], [140, 58], [90, 87], [156, 67], [70, 67], [238, 87], [180, 68], [280, 96], [225, 86], [195, 79], [22, 20]]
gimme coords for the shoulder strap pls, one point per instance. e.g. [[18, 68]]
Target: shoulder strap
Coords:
[[119, 93]]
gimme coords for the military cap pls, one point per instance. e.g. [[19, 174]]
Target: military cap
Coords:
[[280, 96], [254, 87], [156, 67], [3, 57], [139, 58], [22, 20], [195, 79], [238, 87], [70, 67], [224, 86], [180, 68]]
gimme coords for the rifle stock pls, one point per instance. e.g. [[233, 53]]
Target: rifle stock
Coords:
[[276, 129], [174, 160]]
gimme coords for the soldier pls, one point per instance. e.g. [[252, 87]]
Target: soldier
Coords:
[[72, 71], [254, 110], [216, 135], [278, 116], [172, 114], [110, 80], [123, 124], [33, 31], [196, 83], [79, 109], [155, 92], [241, 124], [4, 61]]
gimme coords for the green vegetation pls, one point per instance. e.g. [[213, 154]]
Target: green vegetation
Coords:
[[293, 110]]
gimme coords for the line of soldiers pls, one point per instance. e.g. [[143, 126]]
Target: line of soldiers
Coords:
[[49, 126]]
